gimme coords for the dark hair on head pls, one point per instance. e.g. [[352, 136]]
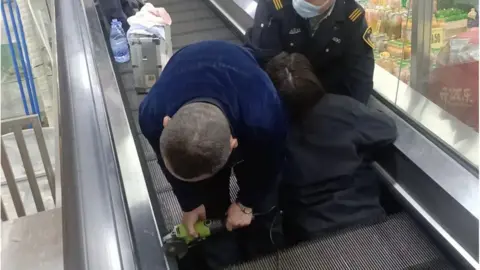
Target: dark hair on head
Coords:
[[196, 141], [296, 83]]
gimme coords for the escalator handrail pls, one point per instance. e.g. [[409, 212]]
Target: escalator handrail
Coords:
[[108, 221]]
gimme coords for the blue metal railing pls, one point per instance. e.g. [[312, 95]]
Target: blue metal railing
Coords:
[[24, 56]]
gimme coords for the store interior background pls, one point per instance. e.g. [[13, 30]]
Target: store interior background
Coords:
[[428, 67]]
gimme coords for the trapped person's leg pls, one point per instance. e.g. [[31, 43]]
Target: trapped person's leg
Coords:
[[332, 204], [292, 228]]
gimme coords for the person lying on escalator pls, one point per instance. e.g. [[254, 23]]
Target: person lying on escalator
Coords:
[[328, 182], [214, 109]]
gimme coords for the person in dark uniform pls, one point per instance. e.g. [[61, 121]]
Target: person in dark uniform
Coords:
[[120, 10], [332, 34], [328, 182], [212, 111]]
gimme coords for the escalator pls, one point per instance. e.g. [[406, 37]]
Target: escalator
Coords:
[[398, 242]]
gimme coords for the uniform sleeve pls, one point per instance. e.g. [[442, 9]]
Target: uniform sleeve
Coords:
[[360, 63], [185, 192], [258, 174], [376, 130], [263, 38], [263, 156]]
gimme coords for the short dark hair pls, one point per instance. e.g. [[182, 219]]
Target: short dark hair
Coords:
[[196, 141], [296, 83]]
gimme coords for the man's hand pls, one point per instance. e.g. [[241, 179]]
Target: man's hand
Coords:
[[236, 218], [190, 218]]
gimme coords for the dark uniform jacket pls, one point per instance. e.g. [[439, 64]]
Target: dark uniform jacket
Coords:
[[229, 77], [328, 175], [340, 49]]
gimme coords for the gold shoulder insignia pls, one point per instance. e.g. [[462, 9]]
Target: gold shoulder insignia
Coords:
[[355, 14], [367, 37], [278, 4]]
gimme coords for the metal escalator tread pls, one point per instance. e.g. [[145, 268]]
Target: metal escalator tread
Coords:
[[170, 209], [134, 99], [189, 27], [396, 243], [194, 21], [135, 120], [147, 149], [160, 182], [176, 7], [218, 34], [169, 206]]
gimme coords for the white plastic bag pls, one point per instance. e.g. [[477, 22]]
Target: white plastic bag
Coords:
[[149, 21]]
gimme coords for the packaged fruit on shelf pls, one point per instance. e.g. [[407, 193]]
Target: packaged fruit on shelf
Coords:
[[398, 49], [407, 28], [396, 4], [433, 55], [386, 62], [452, 20], [378, 2], [380, 41], [381, 18], [363, 3], [472, 20], [393, 24], [371, 16], [402, 70]]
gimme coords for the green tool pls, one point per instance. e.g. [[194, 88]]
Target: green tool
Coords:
[[177, 242]]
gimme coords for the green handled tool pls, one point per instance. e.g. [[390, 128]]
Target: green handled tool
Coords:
[[177, 242]]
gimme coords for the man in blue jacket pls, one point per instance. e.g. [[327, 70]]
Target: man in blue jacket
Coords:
[[214, 109]]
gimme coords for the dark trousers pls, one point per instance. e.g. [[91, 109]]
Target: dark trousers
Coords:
[[312, 210], [223, 249], [119, 9]]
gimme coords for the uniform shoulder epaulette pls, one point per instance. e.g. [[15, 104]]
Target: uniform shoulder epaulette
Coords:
[[277, 4], [356, 14]]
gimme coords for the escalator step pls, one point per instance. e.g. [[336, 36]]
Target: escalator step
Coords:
[[183, 6], [135, 120], [191, 15], [159, 181], [147, 149], [216, 34], [189, 27], [170, 209], [396, 243], [134, 99], [128, 81]]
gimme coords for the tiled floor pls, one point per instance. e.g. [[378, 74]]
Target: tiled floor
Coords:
[[33, 242]]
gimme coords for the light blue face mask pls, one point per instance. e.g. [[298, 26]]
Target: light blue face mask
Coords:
[[307, 10]]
